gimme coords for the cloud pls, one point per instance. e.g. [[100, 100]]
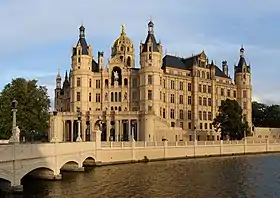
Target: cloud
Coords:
[[37, 35]]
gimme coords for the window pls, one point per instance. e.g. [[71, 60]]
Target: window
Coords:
[[222, 92], [200, 100], [163, 113], [200, 126], [181, 99], [150, 79], [181, 84], [120, 96], [97, 84], [106, 82], [189, 115], [172, 124], [203, 74], [89, 97], [79, 60], [134, 96], [244, 94], [228, 92], [205, 127], [172, 114], [160, 95], [134, 83], [244, 105], [182, 125], [204, 115], [164, 99], [181, 114], [209, 115], [164, 83], [78, 82], [189, 87], [116, 96], [234, 94], [189, 100], [204, 88], [209, 89], [150, 95], [200, 115], [204, 101], [112, 97], [199, 88], [208, 75], [209, 102], [160, 111], [97, 97], [172, 98], [125, 82], [150, 48], [89, 82], [172, 84], [160, 81], [150, 57], [78, 96], [190, 127], [120, 109]]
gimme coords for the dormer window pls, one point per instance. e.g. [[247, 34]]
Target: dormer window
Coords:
[[150, 48]]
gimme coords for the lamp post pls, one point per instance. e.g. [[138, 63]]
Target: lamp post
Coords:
[[15, 132], [79, 139], [54, 138]]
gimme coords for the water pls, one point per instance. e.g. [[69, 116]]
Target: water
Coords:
[[244, 176]]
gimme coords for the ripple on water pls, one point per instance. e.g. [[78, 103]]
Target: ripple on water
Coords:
[[225, 177]]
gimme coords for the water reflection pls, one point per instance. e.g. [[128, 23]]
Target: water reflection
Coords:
[[209, 177]]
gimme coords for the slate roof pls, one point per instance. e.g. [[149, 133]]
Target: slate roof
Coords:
[[94, 67], [82, 41], [186, 64], [150, 37]]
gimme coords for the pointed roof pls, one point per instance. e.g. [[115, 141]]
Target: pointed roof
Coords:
[[242, 62], [150, 37], [82, 41]]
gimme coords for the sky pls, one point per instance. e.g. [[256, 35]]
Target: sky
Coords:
[[37, 35]]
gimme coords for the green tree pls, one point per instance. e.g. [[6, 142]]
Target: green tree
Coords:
[[230, 121], [32, 110]]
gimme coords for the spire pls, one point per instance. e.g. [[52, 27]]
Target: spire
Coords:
[[66, 75], [242, 51], [123, 33], [151, 27], [82, 31], [58, 74]]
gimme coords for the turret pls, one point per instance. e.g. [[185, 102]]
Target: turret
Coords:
[[225, 67], [242, 78], [58, 80], [150, 74], [212, 69], [100, 60]]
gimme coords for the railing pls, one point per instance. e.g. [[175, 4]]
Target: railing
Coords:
[[184, 144]]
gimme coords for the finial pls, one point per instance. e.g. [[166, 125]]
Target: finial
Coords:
[[242, 51], [151, 18], [58, 73], [123, 30]]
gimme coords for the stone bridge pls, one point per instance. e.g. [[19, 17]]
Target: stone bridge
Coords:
[[43, 160]]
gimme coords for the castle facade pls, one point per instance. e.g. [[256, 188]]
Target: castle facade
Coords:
[[168, 97]]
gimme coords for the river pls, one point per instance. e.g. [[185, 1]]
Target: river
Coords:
[[217, 177]]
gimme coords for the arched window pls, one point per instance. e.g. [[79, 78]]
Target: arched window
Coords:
[[208, 75], [125, 82], [128, 61], [120, 108], [121, 57], [120, 96], [112, 97], [116, 96], [203, 74], [106, 82]]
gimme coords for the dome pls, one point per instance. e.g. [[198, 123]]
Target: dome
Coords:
[[123, 44]]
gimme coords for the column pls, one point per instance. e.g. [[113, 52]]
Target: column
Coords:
[[137, 128], [72, 130], [121, 130], [83, 130], [79, 139], [108, 127], [117, 130], [129, 130]]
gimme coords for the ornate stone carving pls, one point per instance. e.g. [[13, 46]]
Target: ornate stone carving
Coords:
[[125, 96], [116, 76], [16, 135]]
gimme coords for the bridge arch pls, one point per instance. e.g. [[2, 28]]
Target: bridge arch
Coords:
[[89, 161], [39, 172], [6, 175]]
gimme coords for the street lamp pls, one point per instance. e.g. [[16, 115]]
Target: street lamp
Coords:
[[14, 110], [79, 139], [15, 131]]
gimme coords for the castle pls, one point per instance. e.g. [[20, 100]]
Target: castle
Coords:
[[166, 98]]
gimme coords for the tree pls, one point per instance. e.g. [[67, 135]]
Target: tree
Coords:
[[230, 121], [32, 110]]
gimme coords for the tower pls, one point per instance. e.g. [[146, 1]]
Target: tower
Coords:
[[82, 67], [57, 91], [242, 78], [225, 67], [150, 77]]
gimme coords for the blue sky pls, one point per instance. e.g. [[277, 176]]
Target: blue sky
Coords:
[[37, 35]]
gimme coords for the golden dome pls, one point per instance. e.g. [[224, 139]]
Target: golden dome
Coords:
[[123, 44]]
